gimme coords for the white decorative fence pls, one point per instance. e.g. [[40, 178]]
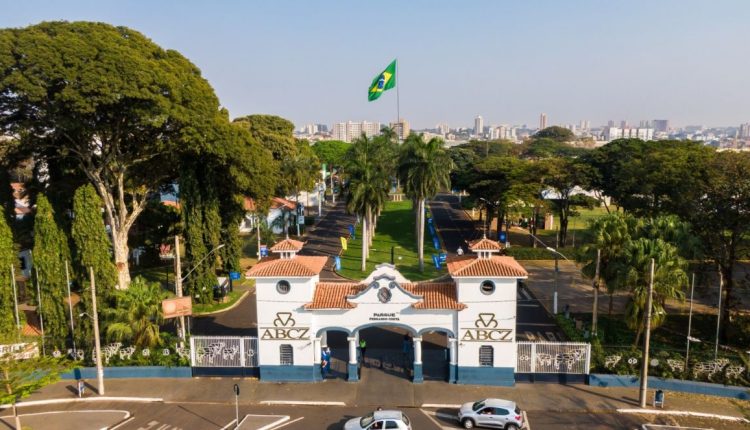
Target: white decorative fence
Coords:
[[553, 357], [223, 351]]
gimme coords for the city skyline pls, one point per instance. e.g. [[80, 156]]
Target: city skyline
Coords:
[[579, 60]]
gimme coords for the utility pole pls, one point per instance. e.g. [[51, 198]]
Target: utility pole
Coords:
[[97, 342], [595, 311], [70, 308], [178, 284], [39, 307], [257, 229], [15, 299], [718, 316], [554, 297], [646, 341], [690, 322]]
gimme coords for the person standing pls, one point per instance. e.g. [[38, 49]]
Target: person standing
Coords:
[[81, 387], [363, 348], [325, 362]]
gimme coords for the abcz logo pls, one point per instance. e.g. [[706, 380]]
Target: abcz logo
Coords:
[[284, 328], [485, 330]]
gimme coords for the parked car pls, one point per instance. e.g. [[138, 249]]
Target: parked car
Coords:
[[390, 419], [491, 413]]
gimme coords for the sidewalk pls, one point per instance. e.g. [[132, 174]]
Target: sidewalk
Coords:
[[531, 397]]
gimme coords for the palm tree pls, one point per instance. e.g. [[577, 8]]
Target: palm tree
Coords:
[[367, 187], [300, 170], [137, 314], [669, 279], [424, 169]]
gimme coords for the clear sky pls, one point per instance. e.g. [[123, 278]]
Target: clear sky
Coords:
[[312, 61]]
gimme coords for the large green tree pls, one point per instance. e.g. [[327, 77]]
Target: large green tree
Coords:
[[109, 100], [300, 170], [50, 254], [137, 315], [22, 377], [564, 176], [8, 258], [424, 169]]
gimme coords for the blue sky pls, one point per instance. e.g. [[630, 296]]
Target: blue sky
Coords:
[[312, 61]]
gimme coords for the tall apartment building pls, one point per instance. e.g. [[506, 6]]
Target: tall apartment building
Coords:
[[348, 131], [478, 126], [401, 128], [443, 129], [660, 125], [612, 133], [542, 121], [504, 132]]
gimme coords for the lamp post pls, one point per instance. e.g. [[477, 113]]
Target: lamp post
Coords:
[[97, 342], [557, 268], [690, 322], [236, 406], [646, 341], [70, 310]]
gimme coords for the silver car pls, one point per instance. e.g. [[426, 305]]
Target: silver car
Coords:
[[491, 413], [377, 420]]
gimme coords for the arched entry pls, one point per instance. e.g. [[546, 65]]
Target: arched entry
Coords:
[[335, 339], [436, 354], [390, 350]]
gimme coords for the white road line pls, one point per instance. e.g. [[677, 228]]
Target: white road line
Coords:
[[122, 423], [441, 426], [526, 421], [84, 400], [649, 426], [285, 424], [300, 402], [682, 413], [439, 405]]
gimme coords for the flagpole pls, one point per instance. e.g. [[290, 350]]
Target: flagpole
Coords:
[[398, 102]]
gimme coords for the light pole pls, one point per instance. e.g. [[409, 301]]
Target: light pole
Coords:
[[557, 268], [236, 406], [15, 299], [647, 341], [97, 342], [70, 310], [690, 322], [39, 306], [718, 316]]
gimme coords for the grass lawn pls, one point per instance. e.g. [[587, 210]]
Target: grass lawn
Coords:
[[396, 227], [163, 274], [231, 299]]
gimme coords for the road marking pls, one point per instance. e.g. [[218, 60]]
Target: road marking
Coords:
[[527, 305], [682, 413], [526, 422], [122, 423], [430, 415], [648, 426], [300, 402], [439, 405], [85, 399], [524, 293], [283, 425]]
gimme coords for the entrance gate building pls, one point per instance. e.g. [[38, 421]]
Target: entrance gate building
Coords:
[[475, 308]]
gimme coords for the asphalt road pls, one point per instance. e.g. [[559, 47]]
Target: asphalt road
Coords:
[[323, 239], [205, 415]]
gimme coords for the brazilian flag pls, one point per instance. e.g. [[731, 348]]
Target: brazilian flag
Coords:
[[383, 82]]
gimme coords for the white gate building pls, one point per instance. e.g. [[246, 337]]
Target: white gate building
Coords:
[[475, 308]]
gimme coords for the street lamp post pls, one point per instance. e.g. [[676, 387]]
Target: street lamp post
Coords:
[[236, 406], [647, 341], [97, 342], [690, 322]]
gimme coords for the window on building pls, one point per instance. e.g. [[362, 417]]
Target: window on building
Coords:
[[287, 355], [486, 356], [283, 287], [487, 287]]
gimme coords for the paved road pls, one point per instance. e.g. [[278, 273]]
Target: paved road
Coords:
[[456, 228], [324, 238], [212, 415]]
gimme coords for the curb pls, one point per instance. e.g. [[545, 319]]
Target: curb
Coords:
[[440, 405], [239, 300], [84, 400], [682, 413], [300, 403]]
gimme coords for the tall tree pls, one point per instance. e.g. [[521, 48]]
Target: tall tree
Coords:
[[424, 169], [300, 170], [108, 99], [7, 258], [721, 218], [137, 314], [92, 249], [563, 176], [367, 186], [50, 253]]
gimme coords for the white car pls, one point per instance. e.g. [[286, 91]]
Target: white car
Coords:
[[378, 420], [491, 413]]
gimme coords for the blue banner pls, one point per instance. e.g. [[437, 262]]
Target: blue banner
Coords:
[[443, 257], [264, 251], [436, 243], [502, 237], [429, 221], [234, 276], [351, 231], [432, 230], [337, 262], [436, 261]]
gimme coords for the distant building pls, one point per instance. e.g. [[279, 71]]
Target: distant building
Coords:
[[612, 133], [478, 126], [504, 132], [542, 121], [660, 125], [348, 131], [322, 128], [443, 129], [745, 130], [401, 128]]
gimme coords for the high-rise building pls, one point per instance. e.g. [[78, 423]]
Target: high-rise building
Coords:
[[401, 128], [612, 133], [585, 125], [624, 124], [660, 125], [348, 131], [443, 129], [542, 121], [610, 123], [322, 128], [745, 130], [478, 126]]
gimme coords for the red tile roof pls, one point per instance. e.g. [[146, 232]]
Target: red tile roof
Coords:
[[436, 295], [249, 204], [484, 244], [287, 245], [496, 266], [332, 295], [299, 266]]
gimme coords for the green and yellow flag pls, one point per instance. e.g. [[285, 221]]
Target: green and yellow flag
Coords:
[[383, 82]]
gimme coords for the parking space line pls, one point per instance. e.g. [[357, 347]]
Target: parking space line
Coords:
[[526, 420], [285, 424]]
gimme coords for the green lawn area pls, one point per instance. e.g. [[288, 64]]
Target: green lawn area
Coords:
[[163, 274], [396, 227]]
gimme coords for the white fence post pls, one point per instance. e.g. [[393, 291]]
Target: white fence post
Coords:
[[588, 358], [533, 358], [242, 352], [192, 351]]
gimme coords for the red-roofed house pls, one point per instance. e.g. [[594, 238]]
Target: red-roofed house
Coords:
[[281, 212]]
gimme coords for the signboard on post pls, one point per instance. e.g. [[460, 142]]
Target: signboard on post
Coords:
[[264, 251], [502, 237], [177, 307], [235, 276], [436, 261], [343, 243]]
